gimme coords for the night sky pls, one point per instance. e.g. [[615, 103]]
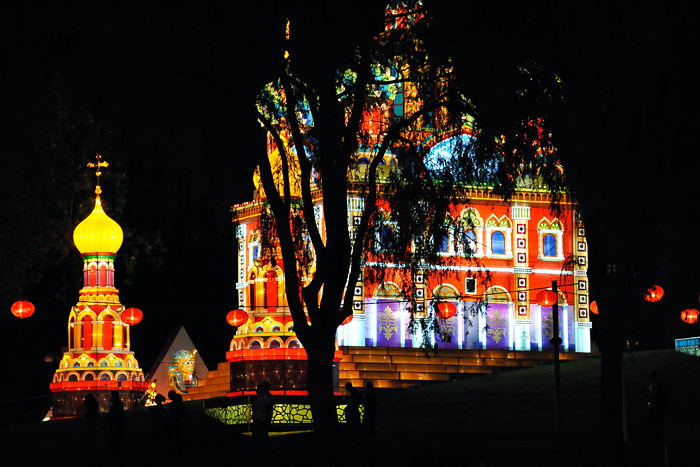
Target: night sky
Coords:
[[165, 92]]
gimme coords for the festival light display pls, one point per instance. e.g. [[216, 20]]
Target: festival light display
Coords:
[[546, 298], [98, 358], [132, 316], [690, 315], [653, 294], [237, 317], [22, 309], [446, 310], [594, 307]]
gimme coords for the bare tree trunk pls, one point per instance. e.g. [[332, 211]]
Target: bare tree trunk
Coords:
[[320, 352]]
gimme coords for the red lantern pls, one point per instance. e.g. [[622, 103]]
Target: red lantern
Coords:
[[132, 316], [594, 307], [654, 294], [237, 317], [22, 309], [446, 310], [546, 298], [348, 319], [690, 316]]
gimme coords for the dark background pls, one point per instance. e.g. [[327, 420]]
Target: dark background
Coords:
[[165, 92]]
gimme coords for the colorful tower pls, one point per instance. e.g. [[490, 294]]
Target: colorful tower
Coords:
[[98, 359]]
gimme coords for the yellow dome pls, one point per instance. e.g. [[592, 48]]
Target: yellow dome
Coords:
[[278, 176], [98, 233]]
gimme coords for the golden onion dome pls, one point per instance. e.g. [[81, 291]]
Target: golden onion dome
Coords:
[[275, 159], [98, 233]]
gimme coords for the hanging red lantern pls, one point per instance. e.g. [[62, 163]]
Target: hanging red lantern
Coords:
[[446, 310], [237, 317], [132, 316], [546, 298], [690, 315], [594, 307], [348, 319], [22, 309], [653, 294]]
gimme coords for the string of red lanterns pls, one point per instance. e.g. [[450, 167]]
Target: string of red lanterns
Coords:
[[22, 309]]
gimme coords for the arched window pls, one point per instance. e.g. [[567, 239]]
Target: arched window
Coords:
[[444, 244], [275, 344], [87, 333], [105, 377], [251, 292], [108, 329], [293, 344], [89, 377], [92, 275], [271, 291], [254, 345], [71, 341], [498, 243], [121, 377], [73, 377], [102, 279], [550, 245], [469, 242], [76, 364]]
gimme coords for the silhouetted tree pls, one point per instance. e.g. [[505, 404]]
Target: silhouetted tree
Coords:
[[334, 106]]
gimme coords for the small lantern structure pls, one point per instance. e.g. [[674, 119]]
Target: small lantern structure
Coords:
[[22, 309], [653, 294], [237, 317], [446, 310], [546, 298], [690, 315], [132, 316]]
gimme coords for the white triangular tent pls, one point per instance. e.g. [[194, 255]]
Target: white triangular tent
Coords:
[[178, 342]]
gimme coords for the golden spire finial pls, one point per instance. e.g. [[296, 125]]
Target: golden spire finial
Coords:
[[286, 52], [98, 172]]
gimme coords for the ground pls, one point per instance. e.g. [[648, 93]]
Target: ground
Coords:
[[503, 419]]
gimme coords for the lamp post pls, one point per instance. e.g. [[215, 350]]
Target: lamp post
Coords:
[[551, 298]]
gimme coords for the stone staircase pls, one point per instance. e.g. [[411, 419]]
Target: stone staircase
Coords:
[[394, 367]]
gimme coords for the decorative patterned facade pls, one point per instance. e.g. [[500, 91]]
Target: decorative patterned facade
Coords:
[[520, 242]]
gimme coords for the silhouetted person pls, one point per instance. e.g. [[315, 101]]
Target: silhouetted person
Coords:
[[116, 425], [263, 408], [159, 422], [178, 417], [657, 407], [369, 421], [352, 411], [92, 416]]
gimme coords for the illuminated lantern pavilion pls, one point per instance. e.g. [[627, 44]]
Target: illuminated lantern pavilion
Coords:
[[98, 359]]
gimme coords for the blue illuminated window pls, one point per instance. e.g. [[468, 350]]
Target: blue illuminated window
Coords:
[[498, 243], [550, 245], [469, 242]]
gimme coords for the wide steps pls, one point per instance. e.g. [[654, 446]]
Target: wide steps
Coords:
[[392, 367]]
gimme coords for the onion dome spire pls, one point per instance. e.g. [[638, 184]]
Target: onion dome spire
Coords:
[[98, 233]]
